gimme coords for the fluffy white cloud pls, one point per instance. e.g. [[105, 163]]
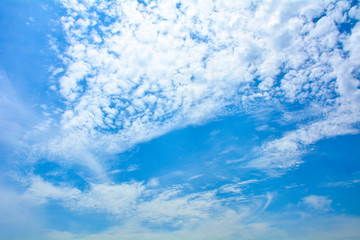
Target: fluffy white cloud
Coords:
[[41, 191], [135, 71], [317, 202]]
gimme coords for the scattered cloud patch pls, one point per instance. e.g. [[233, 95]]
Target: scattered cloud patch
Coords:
[[321, 203], [343, 183]]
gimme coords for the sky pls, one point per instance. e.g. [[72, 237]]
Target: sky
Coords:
[[179, 120]]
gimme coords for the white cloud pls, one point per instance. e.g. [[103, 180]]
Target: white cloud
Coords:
[[134, 72], [41, 191], [154, 182], [162, 68], [143, 71], [286, 152], [118, 200], [243, 220], [147, 204], [318, 202], [148, 212], [236, 187], [114, 199], [343, 183]]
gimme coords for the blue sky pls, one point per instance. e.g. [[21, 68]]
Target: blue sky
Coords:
[[179, 120]]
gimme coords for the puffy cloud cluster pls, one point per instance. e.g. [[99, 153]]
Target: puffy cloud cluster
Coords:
[[134, 71]]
